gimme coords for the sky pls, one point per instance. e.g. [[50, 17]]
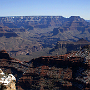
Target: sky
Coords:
[[65, 8]]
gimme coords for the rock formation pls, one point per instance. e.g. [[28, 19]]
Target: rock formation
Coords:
[[7, 82], [73, 23], [67, 72]]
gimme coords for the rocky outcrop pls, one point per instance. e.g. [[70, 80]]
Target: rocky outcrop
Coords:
[[7, 82], [12, 65], [66, 72], [4, 55]]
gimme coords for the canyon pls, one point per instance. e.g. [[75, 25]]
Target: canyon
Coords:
[[31, 35], [46, 52]]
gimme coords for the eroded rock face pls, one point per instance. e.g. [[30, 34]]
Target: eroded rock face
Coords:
[[4, 55], [66, 72], [73, 23], [7, 82]]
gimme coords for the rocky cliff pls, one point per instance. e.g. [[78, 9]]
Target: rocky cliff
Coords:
[[30, 22], [67, 72], [73, 23]]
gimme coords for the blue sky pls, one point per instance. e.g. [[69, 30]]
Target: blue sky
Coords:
[[65, 8]]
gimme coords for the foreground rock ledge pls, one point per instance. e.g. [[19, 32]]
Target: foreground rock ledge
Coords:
[[7, 82]]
